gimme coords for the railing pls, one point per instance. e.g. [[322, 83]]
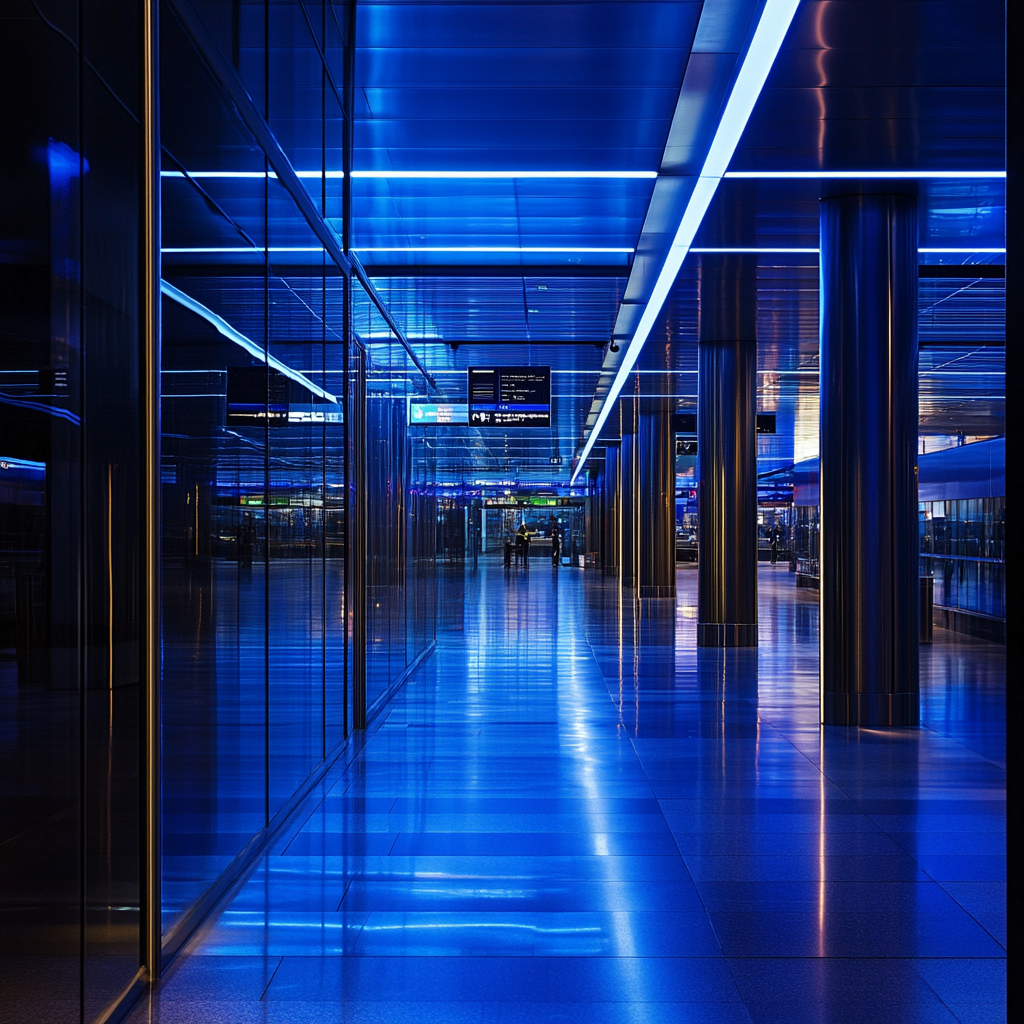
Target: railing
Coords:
[[968, 583]]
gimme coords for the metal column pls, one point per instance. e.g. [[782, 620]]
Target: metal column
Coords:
[[152, 922], [656, 450], [868, 482], [610, 510], [628, 494], [727, 453]]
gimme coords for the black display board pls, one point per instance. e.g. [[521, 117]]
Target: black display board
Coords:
[[510, 396]]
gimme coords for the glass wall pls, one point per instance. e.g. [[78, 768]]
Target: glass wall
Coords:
[[257, 653], [963, 548], [70, 507], [400, 548], [283, 416]]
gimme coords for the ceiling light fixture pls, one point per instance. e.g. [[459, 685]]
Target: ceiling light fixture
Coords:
[[413, 175], [485, 175], [852, 175], [772, 26], [243, 248], [492, 248]]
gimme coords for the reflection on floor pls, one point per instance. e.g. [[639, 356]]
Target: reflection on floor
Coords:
[[569, 815]]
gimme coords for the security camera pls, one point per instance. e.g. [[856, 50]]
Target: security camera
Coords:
[[612, 347]]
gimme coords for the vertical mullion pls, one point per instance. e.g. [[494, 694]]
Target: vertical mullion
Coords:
[[151, 797], [266, 424]]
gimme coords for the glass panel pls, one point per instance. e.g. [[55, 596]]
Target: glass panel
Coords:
[[296, 581], [213, 485], [963, 548], [69, 510]]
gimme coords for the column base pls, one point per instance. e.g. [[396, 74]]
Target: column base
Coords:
[[726, 634], [893, 709], [667, 593]]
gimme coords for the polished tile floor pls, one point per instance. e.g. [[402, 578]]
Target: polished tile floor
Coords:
[[569, 814]]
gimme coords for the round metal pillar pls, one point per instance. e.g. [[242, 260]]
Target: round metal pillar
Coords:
[[627, 517], [868, 468], [727, 454], [656, 452], [610, 512]]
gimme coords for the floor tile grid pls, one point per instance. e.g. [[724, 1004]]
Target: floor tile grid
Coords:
[[743, 971], [631, 614]]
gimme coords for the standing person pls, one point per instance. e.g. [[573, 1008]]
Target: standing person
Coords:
[[521, 543], [556, 546], [775, 544]]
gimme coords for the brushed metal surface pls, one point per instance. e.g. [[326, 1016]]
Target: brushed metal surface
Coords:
[[657, 499], [727, 453], [610, 519], [868, 482], [627, 509]]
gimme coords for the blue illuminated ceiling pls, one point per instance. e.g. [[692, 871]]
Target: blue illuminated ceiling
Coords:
[[533, 268]]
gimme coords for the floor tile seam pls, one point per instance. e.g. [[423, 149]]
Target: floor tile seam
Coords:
[[266, 988], [1002, 943]]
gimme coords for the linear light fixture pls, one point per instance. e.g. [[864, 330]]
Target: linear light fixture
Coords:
[[965, 252], [765, 249], [259, 175], [485, 175], [776, 16], [412, 175], [844, 175], [243, 248], [780, 249], [407, 248], [493, 248], [250, 346]]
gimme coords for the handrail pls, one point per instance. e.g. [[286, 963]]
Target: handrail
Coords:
[[963, 558]]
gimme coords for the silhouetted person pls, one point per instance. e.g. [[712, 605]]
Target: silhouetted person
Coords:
[[521, 542], [246, 541], [556, 546]]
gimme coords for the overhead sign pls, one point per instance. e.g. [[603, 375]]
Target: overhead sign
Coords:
[[510, 396], [432, 414]]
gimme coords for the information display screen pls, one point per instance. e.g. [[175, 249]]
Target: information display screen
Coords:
[[432, 414], [510, 396]]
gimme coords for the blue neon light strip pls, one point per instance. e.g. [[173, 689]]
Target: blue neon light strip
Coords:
[[776, 17], [852, 175], [406, 248], [780, 249], [250, 346], [422, 175], [494, 248]]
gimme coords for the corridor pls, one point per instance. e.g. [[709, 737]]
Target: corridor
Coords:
[[567, 815]]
